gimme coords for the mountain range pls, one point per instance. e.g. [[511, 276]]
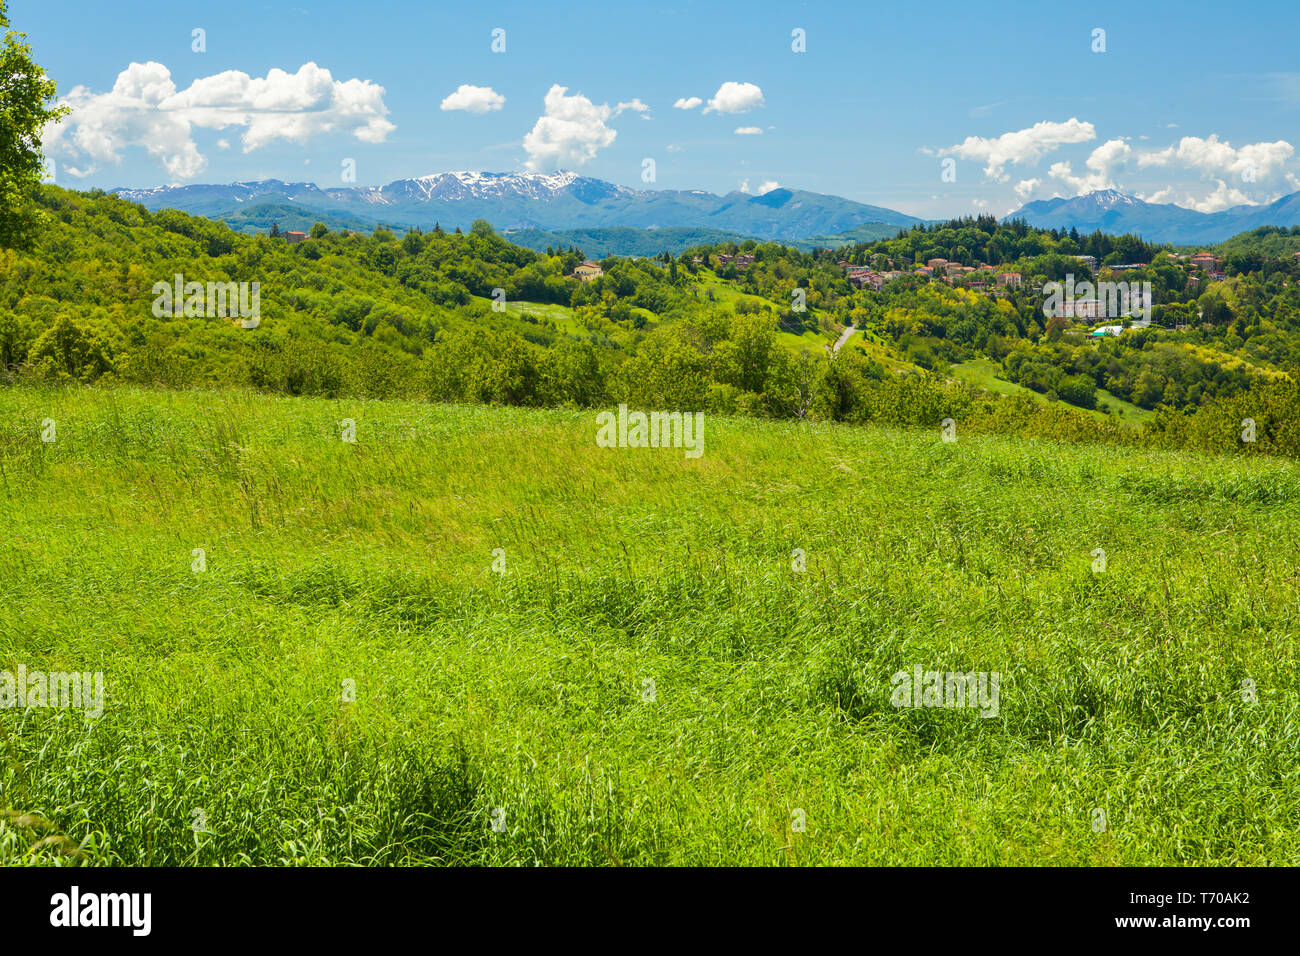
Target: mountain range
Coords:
[[1115, 212], [558, 208], [535, 201]]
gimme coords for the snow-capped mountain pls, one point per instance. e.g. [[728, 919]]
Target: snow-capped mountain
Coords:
[[1115, 212], [563, 200]]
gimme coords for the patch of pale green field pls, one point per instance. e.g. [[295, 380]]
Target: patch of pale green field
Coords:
[[983, 373]]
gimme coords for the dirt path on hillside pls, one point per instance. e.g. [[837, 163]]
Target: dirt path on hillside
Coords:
[[845, 337]]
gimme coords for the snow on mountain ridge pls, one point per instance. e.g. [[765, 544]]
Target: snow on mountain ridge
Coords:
[[1110, 198], [482, 184]]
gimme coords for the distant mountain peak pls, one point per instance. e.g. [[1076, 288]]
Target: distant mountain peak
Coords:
[[1115, 212], [478, 180], [532, 200], [1110, 198]]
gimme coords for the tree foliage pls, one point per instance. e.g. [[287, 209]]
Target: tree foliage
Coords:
[[26, 107]]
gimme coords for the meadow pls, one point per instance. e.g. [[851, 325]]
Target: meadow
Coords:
[[474, 637]]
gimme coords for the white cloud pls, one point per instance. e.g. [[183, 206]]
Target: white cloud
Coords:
[[636, 106], [687, 103], [1101, 164], [766, 187], [1258, 168], [735, 97], [674, 148], [570, 131], [748, 130], [1025, 146], [1165, 195], [1025, 188], [1216, 157], [1222, 197], [145, 109], [474, 99]]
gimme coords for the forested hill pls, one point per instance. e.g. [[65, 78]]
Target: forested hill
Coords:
[[729, 328]]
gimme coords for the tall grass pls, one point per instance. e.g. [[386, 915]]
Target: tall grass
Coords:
[[649, 682]]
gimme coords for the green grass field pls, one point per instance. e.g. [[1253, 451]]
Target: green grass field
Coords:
[[983, 373], [649, 682]]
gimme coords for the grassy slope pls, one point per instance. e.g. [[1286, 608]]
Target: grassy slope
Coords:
[[562, 317], [371, 562], [727, 294], [983, 373]]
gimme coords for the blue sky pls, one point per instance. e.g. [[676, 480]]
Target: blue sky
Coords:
[[1190, 102]]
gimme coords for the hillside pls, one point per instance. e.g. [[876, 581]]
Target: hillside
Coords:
[[867, 232], [1264, 242], [258, 219], [345, 679], [623, 240], [728, 329]]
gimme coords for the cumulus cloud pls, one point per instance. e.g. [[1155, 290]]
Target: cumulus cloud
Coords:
[[735, 97], [1216, 157], [765, 187], [1222, 197], [569, 133], [1020, 147], [748, 130], [1101, 167], [687, 103], [145, 109], [1025, 188], [1236, 172], [474, 99]]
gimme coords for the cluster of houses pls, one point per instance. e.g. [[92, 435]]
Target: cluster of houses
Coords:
[[1207, 262], [977, 277], [741, 262], [861, 277], [980, 276], [1123, 302]]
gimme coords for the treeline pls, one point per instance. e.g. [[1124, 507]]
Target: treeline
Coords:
[[1139, 368], [988, 240], [730, 365]]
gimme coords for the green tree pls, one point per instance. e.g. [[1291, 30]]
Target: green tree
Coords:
[[26, 92], [70, 349]]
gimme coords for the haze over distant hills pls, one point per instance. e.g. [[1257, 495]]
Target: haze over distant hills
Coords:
[[534, 201], [1115, 212]]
